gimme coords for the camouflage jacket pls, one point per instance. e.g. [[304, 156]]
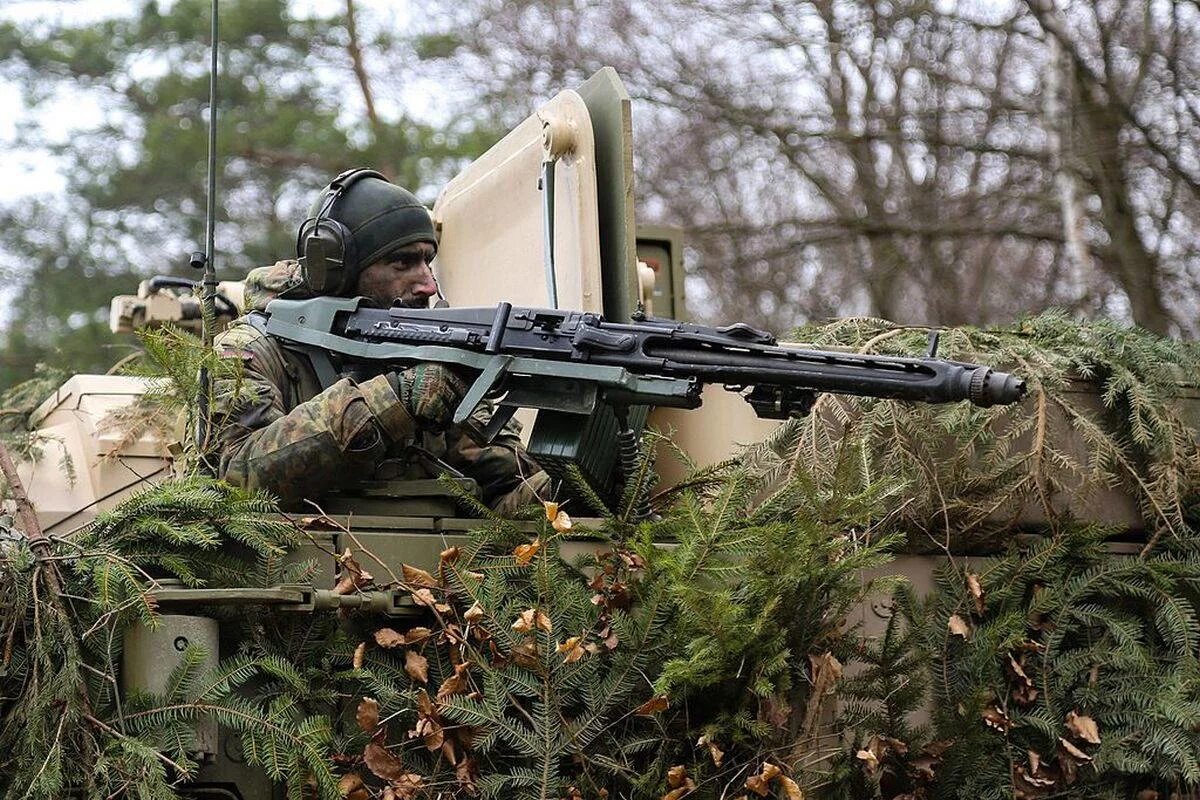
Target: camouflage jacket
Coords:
[[276, 429]]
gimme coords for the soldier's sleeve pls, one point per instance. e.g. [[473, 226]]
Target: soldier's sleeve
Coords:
[[324, 443], [507, 475]]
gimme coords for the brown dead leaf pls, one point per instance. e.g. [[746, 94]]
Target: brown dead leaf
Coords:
[[456, 683], [756, 784], [562, 523], [367, 714], [572, 648], [424, 597], [551, 510], [869, 759], [1070, 758], [1083, 727], [770, 771], [1025, 695], [351, 576], [467, 773], [449, 555], [995, 717], [791, 789], [424, 704], [682, 791], [1146, 794], [381, 762], [430, 732], [415, 576], [415, 635], [525, 552], [652, 706], [976, 590], [678, 782], [716, 753], [531, 618], [526, 655], [1073, 751], [408, 786], [474, 613], [417, 666], [360, 652], [959, 626], [350, 786], [924, 768], [386, 637]]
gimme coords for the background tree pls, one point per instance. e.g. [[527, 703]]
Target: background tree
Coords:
[[936, 163]]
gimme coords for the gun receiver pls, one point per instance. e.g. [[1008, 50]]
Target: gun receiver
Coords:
[[570, 360]]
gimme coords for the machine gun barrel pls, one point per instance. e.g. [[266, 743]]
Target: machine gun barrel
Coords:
[[530, 351]]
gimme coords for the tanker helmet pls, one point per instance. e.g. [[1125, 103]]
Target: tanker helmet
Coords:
[[356, 220]]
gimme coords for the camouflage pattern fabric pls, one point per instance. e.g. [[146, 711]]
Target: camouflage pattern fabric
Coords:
[[276, 429]]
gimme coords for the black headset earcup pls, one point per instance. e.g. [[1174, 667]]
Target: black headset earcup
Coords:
[[323, 248]]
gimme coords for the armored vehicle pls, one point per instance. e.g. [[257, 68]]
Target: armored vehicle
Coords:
[[544, 219]]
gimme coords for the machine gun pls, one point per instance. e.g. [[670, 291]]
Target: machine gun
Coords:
[[591, 380]]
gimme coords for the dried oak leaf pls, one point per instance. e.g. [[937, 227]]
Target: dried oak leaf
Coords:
[[562, 522], [415, 635], [976, 590], [995, 717], [352, 576], [474, 613], [449, 555], [869, 759], [381, 762], [367, 714], [1083, 727], [716, 753], [756, 784], [653, 706], [959, 626], [678, 782], [467, 773], [791, 789], [524, 553], [359, 653], [1070, 758], [531, 618], [456, 683], [429, 731], [350, 786], [415, 576], [417, 666], [386, 637], [551, 510], [408, 786], [682, 791], [424, 597], [572, 648], [770, 771], [526, 655]]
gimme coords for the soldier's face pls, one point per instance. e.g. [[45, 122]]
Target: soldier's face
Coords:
[[403, 276]]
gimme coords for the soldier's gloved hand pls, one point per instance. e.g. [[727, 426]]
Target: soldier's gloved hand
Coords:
[[430, 393]]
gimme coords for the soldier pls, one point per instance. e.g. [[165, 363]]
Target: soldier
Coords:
[[274, 426]]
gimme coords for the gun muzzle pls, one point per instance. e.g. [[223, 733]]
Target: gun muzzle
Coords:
[[987, 387]]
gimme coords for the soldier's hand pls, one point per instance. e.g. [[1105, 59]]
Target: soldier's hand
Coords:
[[430, 393]]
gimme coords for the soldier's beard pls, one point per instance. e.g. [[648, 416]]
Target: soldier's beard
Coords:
[[412, 302]]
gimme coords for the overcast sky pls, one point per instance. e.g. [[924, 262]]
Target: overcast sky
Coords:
[[23, 170]]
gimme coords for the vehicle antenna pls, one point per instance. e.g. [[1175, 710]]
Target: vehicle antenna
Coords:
[[205, 260]]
